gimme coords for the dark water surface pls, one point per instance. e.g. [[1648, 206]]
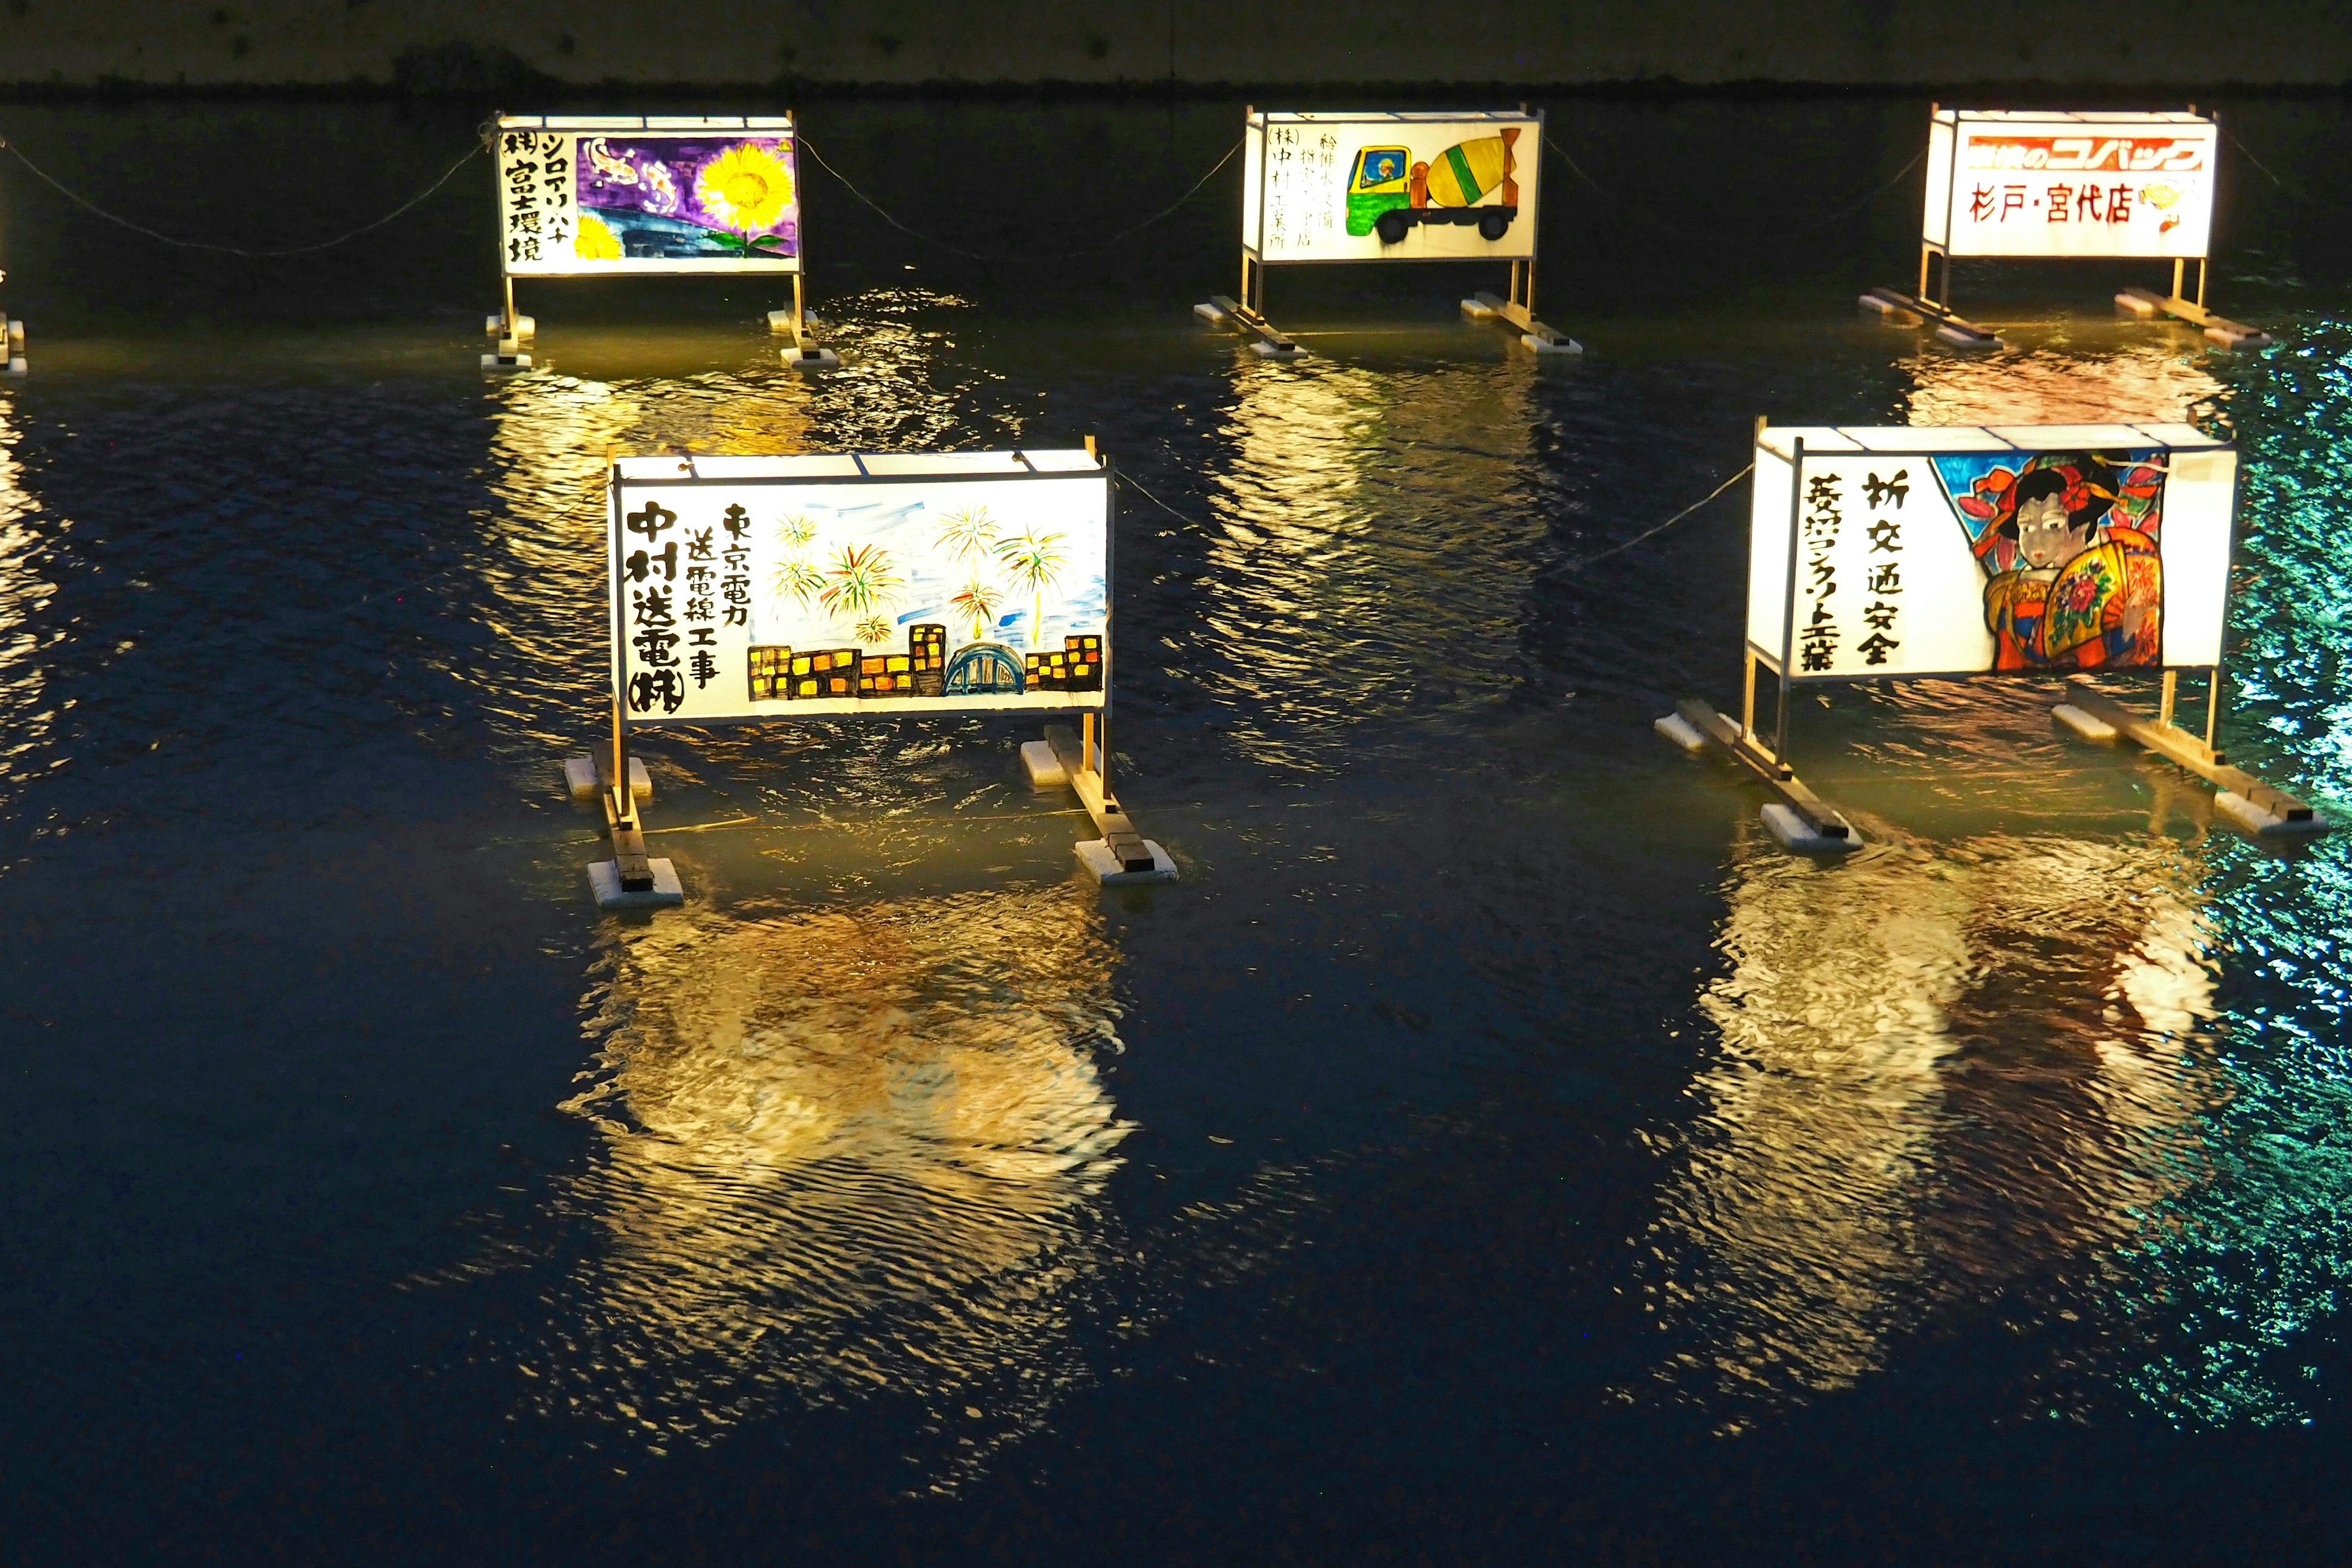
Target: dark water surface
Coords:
[[1493, 1151]]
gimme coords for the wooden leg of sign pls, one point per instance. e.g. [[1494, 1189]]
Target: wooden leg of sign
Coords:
[[620, 746], [1800, 819], [2171, 690], [1122, 854], [630, 879], [2245, 799], [805, 355], [1748, 700], [2179, 265], [1780, 720]]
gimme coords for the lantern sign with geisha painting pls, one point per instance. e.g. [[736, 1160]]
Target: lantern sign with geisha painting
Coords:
[[2014, 549], [1951, 552]]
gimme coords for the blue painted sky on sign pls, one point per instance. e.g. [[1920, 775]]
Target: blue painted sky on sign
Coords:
[[928, 573]]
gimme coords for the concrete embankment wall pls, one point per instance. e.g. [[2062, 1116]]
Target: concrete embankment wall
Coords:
[[542, 46]]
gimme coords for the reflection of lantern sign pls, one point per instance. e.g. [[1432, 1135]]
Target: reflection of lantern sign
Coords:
[[984, 667]]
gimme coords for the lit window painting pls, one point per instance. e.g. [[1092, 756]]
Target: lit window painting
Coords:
[[666, 198], [2070, 546]]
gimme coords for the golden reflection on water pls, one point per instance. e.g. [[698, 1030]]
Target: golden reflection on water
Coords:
[[1940, 1076], [2154, 380], [24, 682], [1364, 551], [845, 1154]]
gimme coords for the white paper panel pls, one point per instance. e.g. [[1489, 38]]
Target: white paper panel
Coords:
[[1392, 188], [2030, 550], [664, 194], [2072, 184], [954, 583]]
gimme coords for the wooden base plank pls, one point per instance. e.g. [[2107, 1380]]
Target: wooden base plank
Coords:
[[1226, 312], [1958, 331], [2178, 746], [1120, 837], [2147, 302], [1776, 775]]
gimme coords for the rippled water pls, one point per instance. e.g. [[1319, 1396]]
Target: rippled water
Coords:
[[1494, 1150]]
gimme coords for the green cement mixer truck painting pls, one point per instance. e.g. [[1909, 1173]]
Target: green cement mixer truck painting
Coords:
[[674, 198], [1407, 186], [1390, 191]]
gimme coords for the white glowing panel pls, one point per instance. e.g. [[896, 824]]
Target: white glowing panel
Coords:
[[2014, 550], [2004, 184], [1390, 187], [753, 588], [653, 194]]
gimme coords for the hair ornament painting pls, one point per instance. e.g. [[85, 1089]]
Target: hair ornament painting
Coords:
[[2069, 543]]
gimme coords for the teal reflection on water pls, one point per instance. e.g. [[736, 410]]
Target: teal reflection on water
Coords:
[[2240, 1265]]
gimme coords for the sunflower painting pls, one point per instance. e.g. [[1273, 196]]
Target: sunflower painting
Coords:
[[659, 199]]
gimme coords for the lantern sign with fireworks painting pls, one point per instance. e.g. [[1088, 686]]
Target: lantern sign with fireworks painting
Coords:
[[759, 590], [589, 196]]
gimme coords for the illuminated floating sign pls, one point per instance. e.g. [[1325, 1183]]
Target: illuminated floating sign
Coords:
[[748, 589], [1390, 187], [591, 194], [1878, 553], [2004, 184]]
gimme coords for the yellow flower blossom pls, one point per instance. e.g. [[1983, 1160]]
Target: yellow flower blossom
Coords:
[[747, 187], [594, 242]]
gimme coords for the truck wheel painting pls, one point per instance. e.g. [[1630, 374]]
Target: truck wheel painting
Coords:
[[1389, 194]]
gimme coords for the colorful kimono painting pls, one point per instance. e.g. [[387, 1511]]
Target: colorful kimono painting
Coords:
[[669, 198], [2069, 543]]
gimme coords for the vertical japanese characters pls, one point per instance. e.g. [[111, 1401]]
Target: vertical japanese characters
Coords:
[[536, 206], [1824, 515], [1302, 175], [1883, 578], [650, 571]]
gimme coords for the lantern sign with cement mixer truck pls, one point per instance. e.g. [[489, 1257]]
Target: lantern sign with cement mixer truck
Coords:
[[672, 196], [2014, 184], [753, 590], [1411, 186], [2062, 552]]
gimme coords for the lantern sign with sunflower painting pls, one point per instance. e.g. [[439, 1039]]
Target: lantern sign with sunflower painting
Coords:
[[600, 194]]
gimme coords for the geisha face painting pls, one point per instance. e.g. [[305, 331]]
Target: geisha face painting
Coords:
[[2068, 541]]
